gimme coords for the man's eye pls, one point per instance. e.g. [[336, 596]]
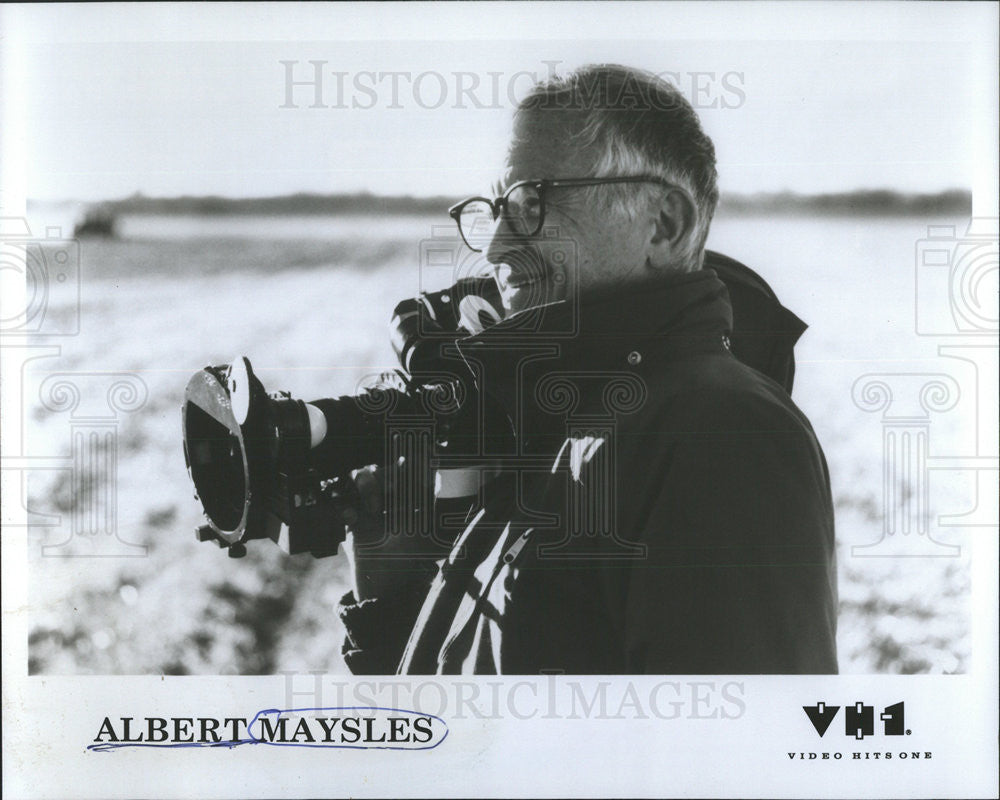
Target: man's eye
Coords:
[[528, 207]]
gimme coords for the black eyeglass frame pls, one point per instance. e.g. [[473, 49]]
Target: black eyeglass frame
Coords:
[[499, 205]]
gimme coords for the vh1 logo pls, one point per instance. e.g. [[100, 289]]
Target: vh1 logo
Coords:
[[859, 719]]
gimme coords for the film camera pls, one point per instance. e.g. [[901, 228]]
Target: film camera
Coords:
[[248, 451]]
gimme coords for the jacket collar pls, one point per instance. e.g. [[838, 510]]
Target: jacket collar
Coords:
[[674, 314], [625, 331]]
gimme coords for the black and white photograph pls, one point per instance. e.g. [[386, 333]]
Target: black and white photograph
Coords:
[[596, 399]]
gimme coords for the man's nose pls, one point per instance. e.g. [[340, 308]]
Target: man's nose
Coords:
[[503, 240]]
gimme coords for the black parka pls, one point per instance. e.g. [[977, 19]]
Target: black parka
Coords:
[[664, 508]]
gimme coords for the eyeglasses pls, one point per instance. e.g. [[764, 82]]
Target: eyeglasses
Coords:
[[524, 206]]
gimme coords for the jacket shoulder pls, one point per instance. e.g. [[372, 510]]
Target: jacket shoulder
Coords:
[[764, 331], [721, 392]]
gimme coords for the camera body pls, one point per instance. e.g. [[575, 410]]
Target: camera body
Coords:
[[248, 452]]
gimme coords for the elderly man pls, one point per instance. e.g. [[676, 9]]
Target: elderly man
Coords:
[[659, 506]]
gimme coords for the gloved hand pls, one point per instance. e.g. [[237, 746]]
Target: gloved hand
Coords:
[[382, 561]]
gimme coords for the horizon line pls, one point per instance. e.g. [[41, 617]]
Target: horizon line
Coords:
[[781, 194]]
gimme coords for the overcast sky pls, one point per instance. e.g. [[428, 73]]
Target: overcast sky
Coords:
[[171, 101]]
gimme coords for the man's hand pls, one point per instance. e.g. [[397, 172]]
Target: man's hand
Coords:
[[365, 524], [381, 560]]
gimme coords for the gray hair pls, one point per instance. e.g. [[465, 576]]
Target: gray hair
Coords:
[[637, 124]]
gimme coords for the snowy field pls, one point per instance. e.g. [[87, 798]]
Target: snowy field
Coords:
[[308, 300]]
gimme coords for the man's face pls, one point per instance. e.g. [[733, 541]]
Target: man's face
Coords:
[[582, 248]]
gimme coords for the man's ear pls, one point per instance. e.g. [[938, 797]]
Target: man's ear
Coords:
[[674, 219]]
